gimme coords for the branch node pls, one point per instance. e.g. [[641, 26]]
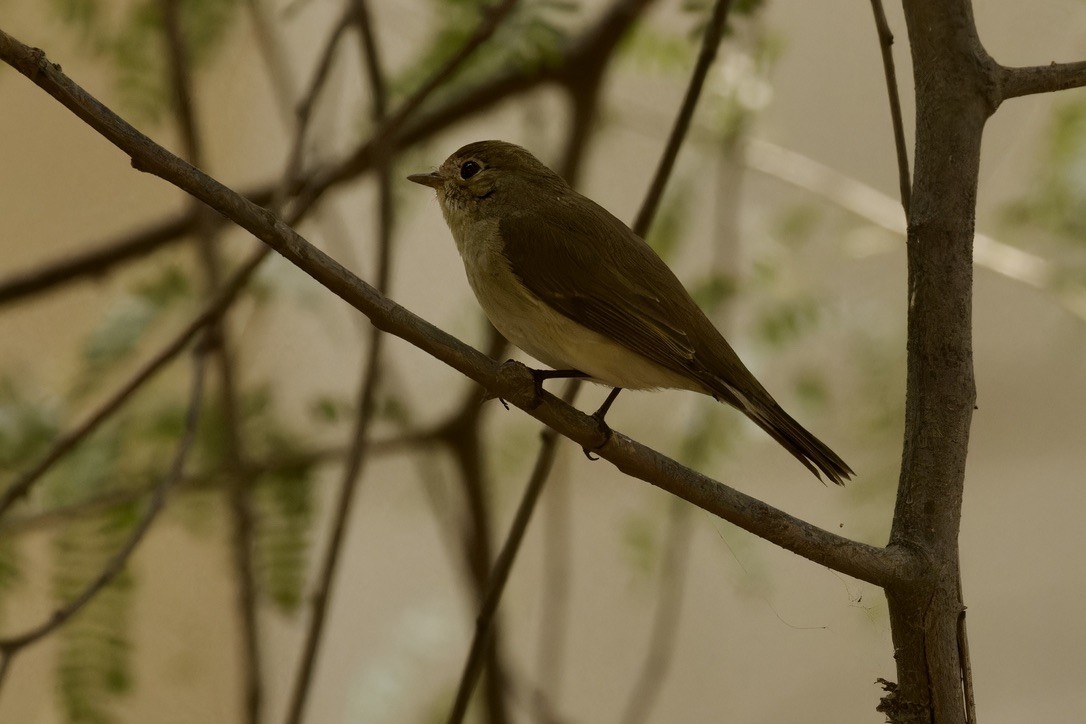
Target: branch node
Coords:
[[517, 384]]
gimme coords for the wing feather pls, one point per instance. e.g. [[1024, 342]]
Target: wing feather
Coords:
[[593, 269]]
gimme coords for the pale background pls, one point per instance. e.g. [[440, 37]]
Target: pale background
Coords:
[[764, 635]]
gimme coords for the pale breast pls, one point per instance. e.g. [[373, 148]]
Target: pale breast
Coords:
[[550, 337]]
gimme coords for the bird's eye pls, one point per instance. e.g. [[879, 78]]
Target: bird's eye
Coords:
[[469, 169]]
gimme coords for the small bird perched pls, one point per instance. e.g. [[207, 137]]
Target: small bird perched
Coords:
[[574, 287]]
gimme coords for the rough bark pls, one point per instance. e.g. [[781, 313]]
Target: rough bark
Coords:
[[953, 77]]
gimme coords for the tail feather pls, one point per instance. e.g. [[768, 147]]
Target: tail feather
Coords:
[[807, 448]]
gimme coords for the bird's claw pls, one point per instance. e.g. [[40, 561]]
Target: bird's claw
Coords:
[[605, 432]]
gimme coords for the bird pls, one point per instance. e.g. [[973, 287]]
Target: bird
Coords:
[[573, 286]]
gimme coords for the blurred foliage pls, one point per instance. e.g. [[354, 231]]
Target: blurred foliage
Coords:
[[669, 227], [1056, 200], [27, 426], [93, 662], [284, 508], [132, 315], [641, 538], [787, 319], [738, 85], [11, 570], [532, 36], [129, 37], [281, 486]]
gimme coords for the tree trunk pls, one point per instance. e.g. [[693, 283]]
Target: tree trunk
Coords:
[[953, 76]]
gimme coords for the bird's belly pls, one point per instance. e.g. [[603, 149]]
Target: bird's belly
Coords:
[[559, 342]]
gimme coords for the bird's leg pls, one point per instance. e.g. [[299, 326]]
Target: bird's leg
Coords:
[[541, 375], [598, 416]]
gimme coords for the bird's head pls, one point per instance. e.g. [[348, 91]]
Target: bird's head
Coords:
[[488, 179]]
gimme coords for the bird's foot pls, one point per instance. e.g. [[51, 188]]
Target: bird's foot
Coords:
[[606, 433], [513, 386]]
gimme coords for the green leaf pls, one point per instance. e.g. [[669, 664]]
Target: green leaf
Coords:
[[812, 388], [168, 286], [714, 292], [11, 569], [669, 227], [133, 42], [1057, 198], [641, 543], [532, 36], [285, 505], [787, 320], [94, 654], [26, 427], [327, 408], [114, 341]]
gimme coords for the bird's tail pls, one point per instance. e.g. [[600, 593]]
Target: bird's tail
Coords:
[[807, 448]]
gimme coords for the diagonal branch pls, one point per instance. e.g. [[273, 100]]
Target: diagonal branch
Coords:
[[512, 382], [1015, 82]]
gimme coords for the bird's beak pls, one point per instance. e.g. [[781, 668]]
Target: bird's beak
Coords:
[[433, 180]]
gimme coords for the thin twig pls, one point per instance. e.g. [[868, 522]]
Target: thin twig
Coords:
[[357, 13], [304, 110], [555, 588], [242, 519], [11, 645], [94, 263], [880, 209], [965, 663], [64, 444], [131, 491], [886, 43], [279, 68], [465, 445], [714, 31], [492, 19], [499, 576], [665, 623], [385, 139], [321, 596], [511, 382]]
